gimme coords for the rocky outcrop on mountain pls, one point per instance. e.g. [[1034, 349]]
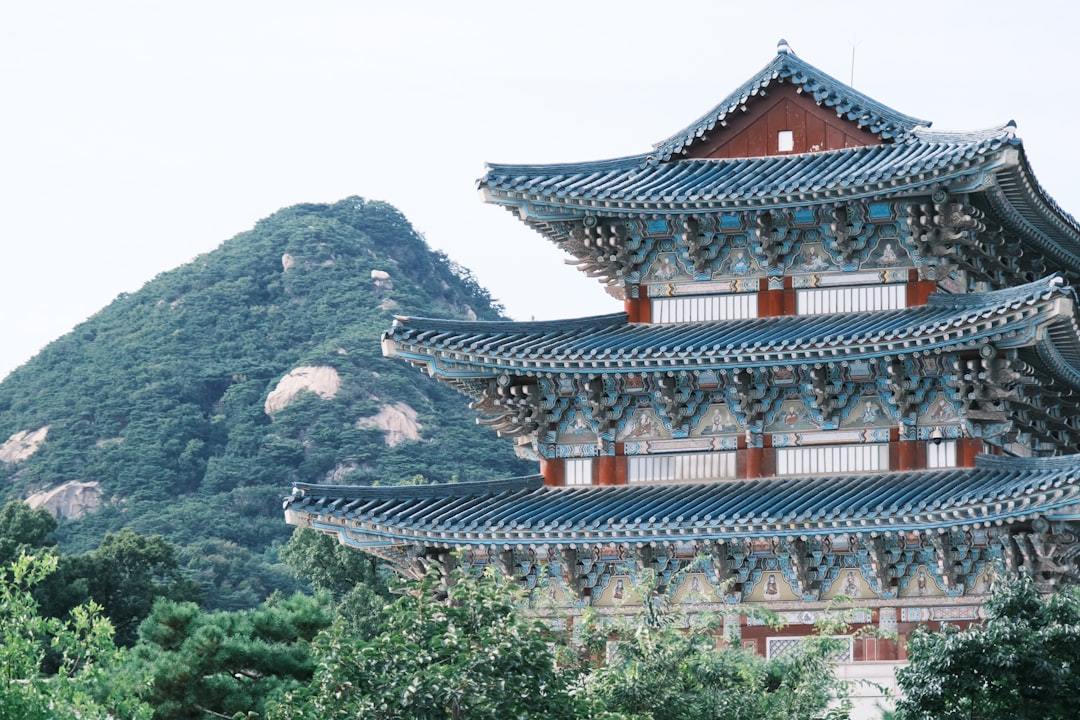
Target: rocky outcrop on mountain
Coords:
[[22, 445], [71, 500], [323, 380], [397, 421]]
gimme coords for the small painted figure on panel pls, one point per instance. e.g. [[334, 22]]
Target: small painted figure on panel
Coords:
[[577, 431], [644, 424], [666, 268], [812, 258], [868, 412], [939, 410], [770, 587], [695, 589], [792, 415], [921, 584], [618, 591], [888, 253], [849, 583], [738, 263], [718, 420]]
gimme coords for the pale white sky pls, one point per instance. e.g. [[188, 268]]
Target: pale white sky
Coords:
[[137, 135]]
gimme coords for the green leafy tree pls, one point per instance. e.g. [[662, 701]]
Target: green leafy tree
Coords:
[[471, 655], [86, 685], [221, 664], [355, 579], [1022, 663], [24, 530], [661, 668], [128, 573]]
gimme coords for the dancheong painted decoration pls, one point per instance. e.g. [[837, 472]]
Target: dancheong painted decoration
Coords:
[[847, 365]]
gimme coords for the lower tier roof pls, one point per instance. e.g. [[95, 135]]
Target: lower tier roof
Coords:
[[523, 511]]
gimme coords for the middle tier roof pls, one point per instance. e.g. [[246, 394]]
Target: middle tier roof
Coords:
[[1039, 314]]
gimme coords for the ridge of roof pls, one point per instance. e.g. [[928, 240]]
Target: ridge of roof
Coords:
[[472, 488], [590, 322], [826, 90]]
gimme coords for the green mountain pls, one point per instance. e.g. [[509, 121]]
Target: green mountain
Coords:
[[188, 408]]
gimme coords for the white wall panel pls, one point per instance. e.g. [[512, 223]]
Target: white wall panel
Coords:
[[578, 471], [704, 308], [686, 467], [870, 298], [832, 459]]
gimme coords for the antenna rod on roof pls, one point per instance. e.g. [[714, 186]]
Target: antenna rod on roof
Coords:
[[853, 44]]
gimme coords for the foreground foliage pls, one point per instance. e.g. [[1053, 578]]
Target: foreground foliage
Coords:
[[219, 664], [472, 656], [1022, 663], [476, 655], [85, 683]]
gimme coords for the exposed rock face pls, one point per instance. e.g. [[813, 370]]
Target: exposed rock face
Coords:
[[322, 380], [382, 280], [397, 421], [22, 445], [287, 261], [71, 500]]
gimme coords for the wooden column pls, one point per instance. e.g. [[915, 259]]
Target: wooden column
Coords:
[[754, 462], [639, 309], [770, 303], [790, 304], [773, 303], [606, 470], [966, 450], [554, 471], [907, 455], [918, 290]]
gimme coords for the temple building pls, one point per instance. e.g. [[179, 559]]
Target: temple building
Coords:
[[847, 368]]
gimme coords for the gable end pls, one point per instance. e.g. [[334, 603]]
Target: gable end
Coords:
[[781, 109]]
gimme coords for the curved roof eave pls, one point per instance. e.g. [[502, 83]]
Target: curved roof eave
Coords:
[[1039, 313], [523, 511], [1018, 198], [633, 185]]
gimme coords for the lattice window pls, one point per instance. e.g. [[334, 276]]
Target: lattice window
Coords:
[[705, 308], [829, 459], [941, 454], [685, 467], [778, 646], [821, 301], [578, 471]]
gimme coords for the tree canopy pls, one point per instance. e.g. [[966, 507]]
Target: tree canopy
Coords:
[[1022, 663]]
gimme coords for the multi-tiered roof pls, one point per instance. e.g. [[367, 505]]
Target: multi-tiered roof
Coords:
[[849, 364]]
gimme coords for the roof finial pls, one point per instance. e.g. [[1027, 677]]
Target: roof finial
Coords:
[[782, 48]]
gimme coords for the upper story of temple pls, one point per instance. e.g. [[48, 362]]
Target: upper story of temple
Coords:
[[813, 283]]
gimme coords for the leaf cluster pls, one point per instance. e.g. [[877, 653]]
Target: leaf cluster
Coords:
[[1022, 662]]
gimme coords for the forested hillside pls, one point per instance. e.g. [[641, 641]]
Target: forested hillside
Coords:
[[158, 406]]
